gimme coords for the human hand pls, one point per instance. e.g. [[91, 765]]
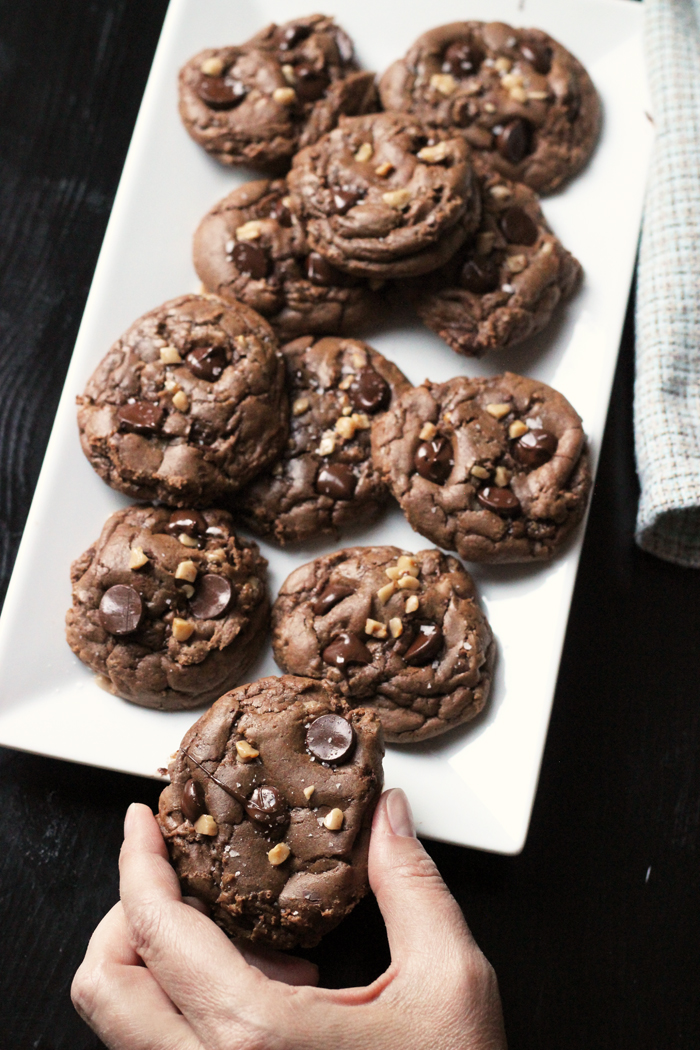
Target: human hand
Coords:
[[159, 975]]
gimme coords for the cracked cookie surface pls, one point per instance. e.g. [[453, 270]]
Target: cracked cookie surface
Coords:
[[400, 633], [504, 284], [325, 479], [496, 469], [251, 248], [258, 103], [170, 607], [516, 95], [383, 196], [188, 405], [267, 817]]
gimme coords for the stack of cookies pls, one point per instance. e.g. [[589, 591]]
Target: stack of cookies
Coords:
[[255, 404]]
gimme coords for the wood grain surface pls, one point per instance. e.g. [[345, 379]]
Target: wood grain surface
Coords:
[[594, 929]]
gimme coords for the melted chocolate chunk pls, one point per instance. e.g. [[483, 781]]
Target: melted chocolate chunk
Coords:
[[280, 213], [333, 593], [201, 433], [287, 37], [267, 806], [191, 522], [539, 55], [223, 92], [344, 200], [462, 59], [535, 448], [141, 417], [502, 501], [250, 259], [515, 141], [311, 83], [330, 738], [121, 609], [368, 391], [337, 480], [207, 362], [319, 270], [346, 649], [211, 598], [425, 646], [433, 460], [482, 276], [518, 227], [193, 804]]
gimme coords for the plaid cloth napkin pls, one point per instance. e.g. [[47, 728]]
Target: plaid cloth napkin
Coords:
[[667, 388]]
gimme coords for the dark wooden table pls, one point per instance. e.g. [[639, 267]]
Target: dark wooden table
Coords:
[[594, 929]]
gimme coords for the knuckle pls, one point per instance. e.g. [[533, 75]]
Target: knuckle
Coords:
[[418, 866], [144, 927], [85, 990]]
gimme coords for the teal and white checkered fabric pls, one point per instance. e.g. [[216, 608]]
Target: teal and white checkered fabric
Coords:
[[667, 389]]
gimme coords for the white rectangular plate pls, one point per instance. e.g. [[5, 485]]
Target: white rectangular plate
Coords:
[[475, 786]]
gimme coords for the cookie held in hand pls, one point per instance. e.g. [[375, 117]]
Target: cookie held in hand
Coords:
[[400, 633], [170, 607], [267, 817], [496, 469]]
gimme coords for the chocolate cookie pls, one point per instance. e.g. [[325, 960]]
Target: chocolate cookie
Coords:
[[262, 101], [325, 480], [516, 95], [496, 469], [382, 196], [170, 606], [251, 248], [188, 405], [502, 285], [268, 814], [400, 633]]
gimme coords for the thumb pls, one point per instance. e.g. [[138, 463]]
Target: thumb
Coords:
[[423, 920]]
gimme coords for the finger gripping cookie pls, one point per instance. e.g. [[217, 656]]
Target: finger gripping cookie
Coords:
[[169, 607], [188, 405], [516, 95], [261, 101], [496, 469], [381, 196], [400, 633], [268, 813]]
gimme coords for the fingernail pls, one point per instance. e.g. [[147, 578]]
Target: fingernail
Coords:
[[128, 819], [399, 814]]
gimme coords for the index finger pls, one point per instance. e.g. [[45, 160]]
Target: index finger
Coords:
[[191, 958]]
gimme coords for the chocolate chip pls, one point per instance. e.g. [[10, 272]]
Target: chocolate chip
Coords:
[[346, 649], [310, 83], [190, 522], [344, 200], [462, 59], [280, 213], [201, 433], [369, 391], [212, 597], [251, 260], [433, 460], [518, 227], [538, 54], [121, 609], [319, 270], [482, 276], [330, 738], [515, 141], [207, 362], [267, 806], [572, 104], [287, 37], [337, 480], [141, 417], [502, 501], [193, 804], [333, 593], [221, 92], [535, 448], [425, 646]]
